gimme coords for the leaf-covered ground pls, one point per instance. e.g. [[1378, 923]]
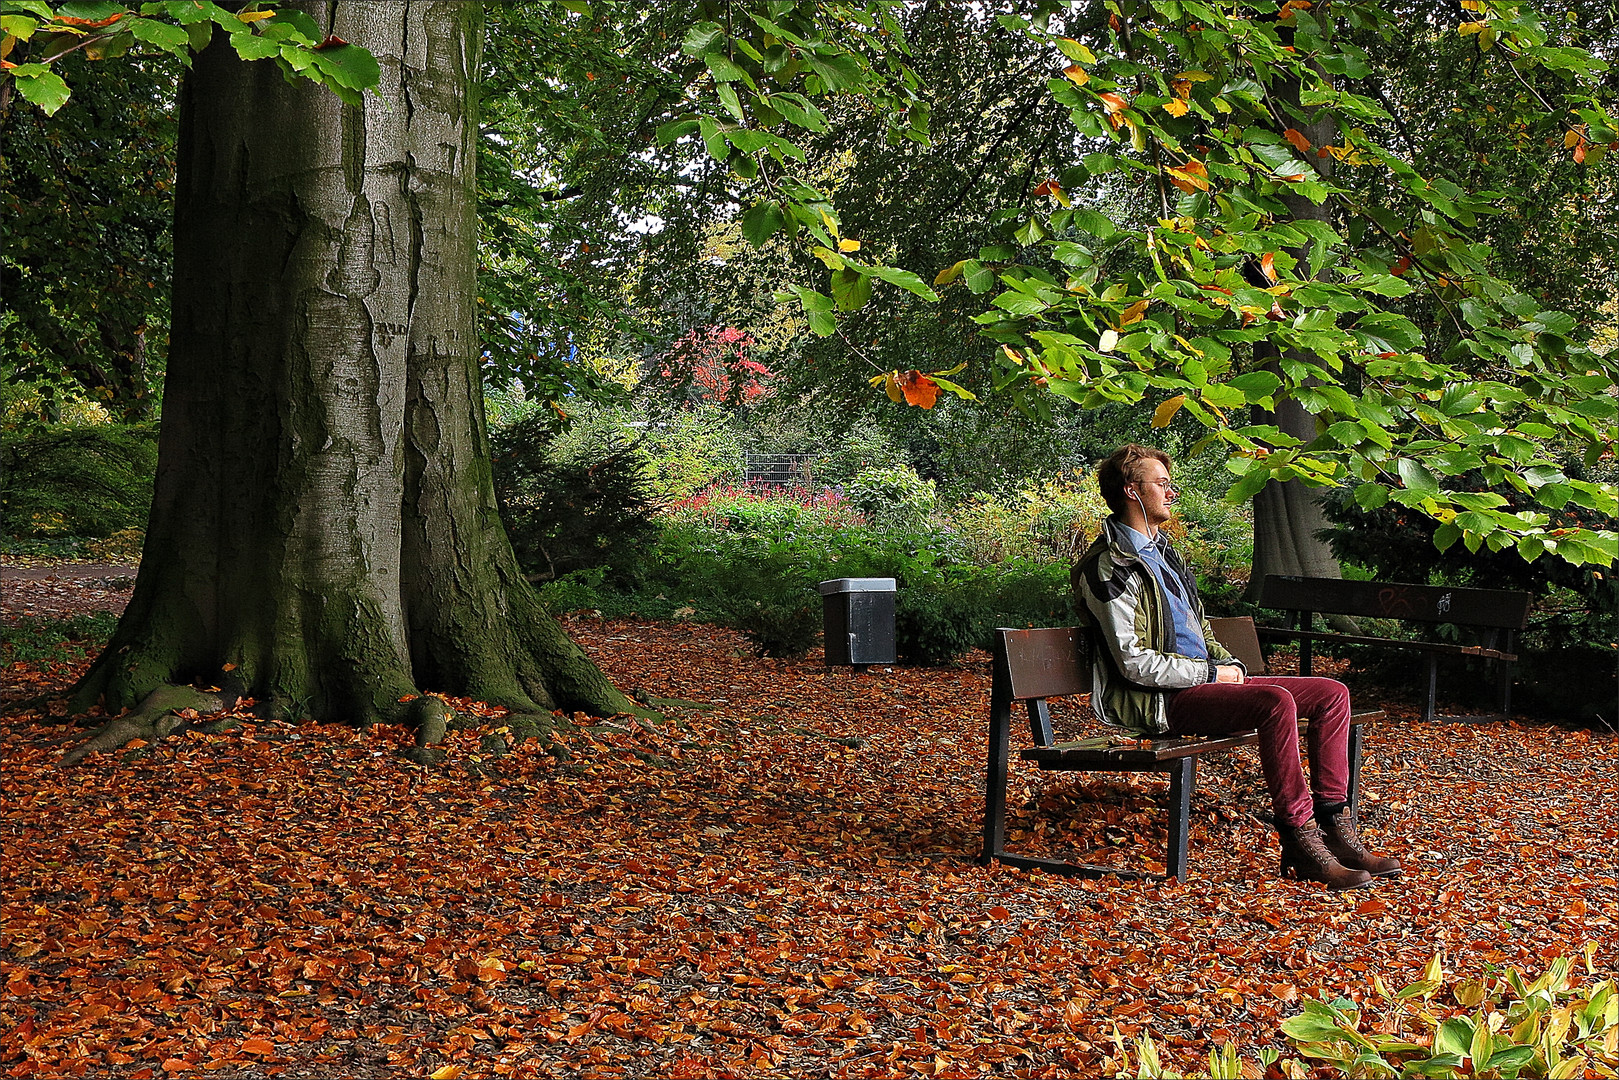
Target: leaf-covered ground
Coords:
[[778, 880]]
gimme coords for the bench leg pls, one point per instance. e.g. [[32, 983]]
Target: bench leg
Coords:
[[1433, 683], [1353, 794], [1000, 749], [1182, 779]]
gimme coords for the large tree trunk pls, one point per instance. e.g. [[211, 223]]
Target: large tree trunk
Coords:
[[323, 534]]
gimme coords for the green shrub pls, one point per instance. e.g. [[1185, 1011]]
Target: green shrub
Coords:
[[892, 497], [1505, 1026], [1054, 518], [77, 481], [691, 449], [590, 507]]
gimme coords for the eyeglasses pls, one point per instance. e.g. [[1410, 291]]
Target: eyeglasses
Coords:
[[1167, 484]]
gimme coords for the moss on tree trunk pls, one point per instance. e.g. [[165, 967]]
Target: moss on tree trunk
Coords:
[[323, 534]]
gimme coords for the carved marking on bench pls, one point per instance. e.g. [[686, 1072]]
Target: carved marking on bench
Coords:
[[1444, 603], [1395, 602]]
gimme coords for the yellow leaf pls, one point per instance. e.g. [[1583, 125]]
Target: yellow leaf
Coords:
[[1467, 28], [848, 245], [1011, 354], [950, 273], [1435, 971], [1134, 313], [1164, 413], [1084, 53], [1076, 74], [1194, 76], [253, 16], [832, 259], [891, 384], [1175, 107], [448, 1072], [1570, 138]]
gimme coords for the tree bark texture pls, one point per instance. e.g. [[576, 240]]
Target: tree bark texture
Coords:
[[323, 534]]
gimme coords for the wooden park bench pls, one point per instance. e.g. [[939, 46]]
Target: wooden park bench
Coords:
[[1491, 616], [1033, 665]]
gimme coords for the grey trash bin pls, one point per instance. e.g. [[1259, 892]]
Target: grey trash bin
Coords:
[[859, 620]]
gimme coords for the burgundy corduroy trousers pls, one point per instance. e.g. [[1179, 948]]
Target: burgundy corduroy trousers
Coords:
[[1274, 705]]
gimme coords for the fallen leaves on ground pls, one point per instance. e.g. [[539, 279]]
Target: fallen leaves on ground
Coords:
[[778, 879]]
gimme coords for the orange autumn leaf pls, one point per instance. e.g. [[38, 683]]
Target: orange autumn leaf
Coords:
[[1267, 265], [1076, 74], [90, 24], [1134, 313], [919, 390], [1113, 103], [1300, 143], [1190, 177]]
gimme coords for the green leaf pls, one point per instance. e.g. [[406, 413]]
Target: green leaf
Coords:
[[1256, 386], [980, 278], [713, 140], [348, 65], [95, 10], [839, 73], [41, 86], [905, 279], [850, 289], [20, 27], [1371, 496], [701, 37], [723, 68], [1455, 1036], [675, 129], [762, 221], [299, 21], [1098, 225], [797, 109], [164, 35], [250, 46], [1417, 478], [1384, 285]]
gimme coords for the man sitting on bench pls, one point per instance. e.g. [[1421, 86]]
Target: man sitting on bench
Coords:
[[1162, 671]]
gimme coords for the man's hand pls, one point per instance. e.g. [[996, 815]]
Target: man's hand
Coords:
[[1228, 673]]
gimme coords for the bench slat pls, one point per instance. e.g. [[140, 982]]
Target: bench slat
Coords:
[[1419, 646], [1046, 662], [1498, 608], [1115, 753]]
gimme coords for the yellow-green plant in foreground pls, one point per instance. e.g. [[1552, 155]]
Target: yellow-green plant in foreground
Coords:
[[1507, 1027]]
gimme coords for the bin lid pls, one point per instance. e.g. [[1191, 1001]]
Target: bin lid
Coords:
[[857, 584]]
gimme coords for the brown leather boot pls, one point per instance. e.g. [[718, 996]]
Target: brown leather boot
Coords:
[[1342, 837], [1305, 858]]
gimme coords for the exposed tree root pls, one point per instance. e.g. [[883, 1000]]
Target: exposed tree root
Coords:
[[155, 718]]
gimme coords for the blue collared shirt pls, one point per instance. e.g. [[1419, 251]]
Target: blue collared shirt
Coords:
[[1188, 628]]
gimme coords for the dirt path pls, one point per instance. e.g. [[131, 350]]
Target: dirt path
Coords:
[[61, 589]]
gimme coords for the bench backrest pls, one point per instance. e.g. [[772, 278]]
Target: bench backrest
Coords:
[[1242, 641], [1497, 608], [1040, 663]]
